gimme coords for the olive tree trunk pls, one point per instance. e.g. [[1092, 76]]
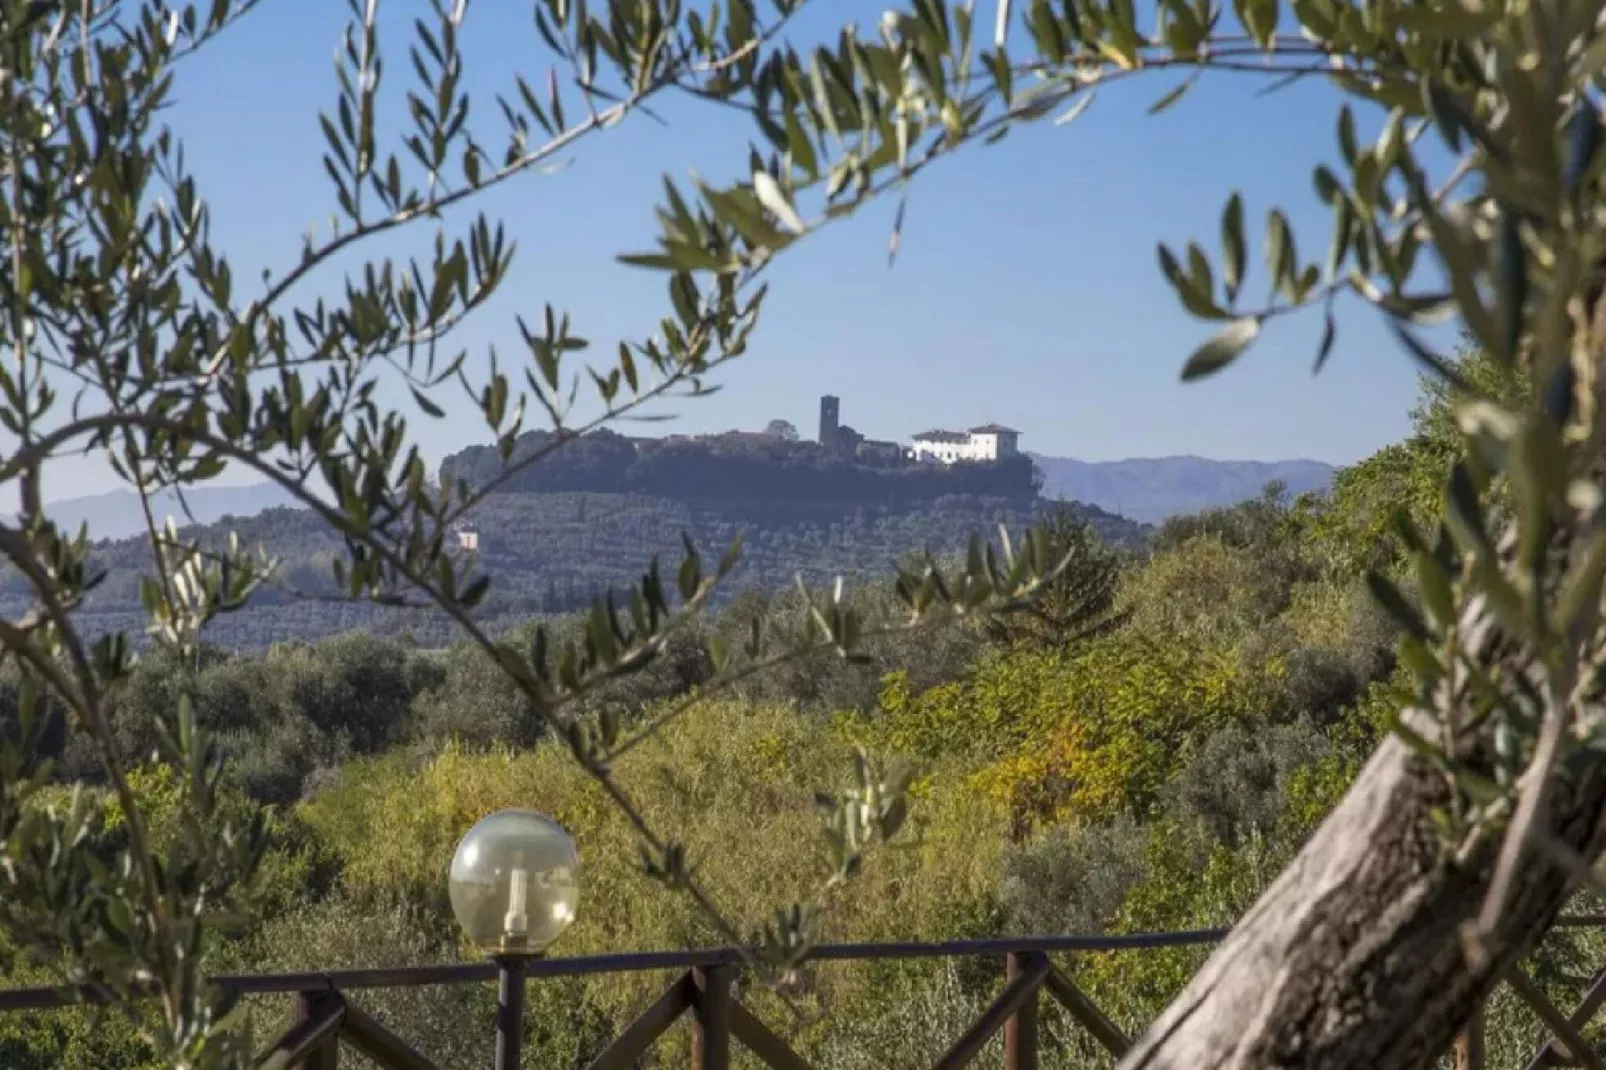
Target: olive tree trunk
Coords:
[[1354, 958]]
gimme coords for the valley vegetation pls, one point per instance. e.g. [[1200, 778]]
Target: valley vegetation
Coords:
[[1144, 751]]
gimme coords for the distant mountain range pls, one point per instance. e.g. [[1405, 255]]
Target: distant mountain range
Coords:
[[117, 514], [1148, 489]]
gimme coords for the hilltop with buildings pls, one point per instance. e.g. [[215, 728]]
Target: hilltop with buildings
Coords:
[[837, 467], [986, 444], [840, 466]]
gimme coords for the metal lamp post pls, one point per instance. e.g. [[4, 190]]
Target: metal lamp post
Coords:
[[514, 885]]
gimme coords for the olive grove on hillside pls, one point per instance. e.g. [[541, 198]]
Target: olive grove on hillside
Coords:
[[127, 334]]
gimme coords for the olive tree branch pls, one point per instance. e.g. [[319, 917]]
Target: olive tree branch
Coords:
[[437, 203], [682, 372], [17, 549], [1527, 830], [88, 700], [818, 642]]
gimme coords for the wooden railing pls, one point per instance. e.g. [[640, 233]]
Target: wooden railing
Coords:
[[326, 1016]]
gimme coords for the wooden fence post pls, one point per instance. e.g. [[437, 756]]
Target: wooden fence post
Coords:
[[1020, 1031], [327, 1055], [711, 1022]]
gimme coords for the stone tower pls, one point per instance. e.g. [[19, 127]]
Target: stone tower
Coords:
[[830, 420]]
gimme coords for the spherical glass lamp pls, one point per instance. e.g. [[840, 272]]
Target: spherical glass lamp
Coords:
[[514, 882]]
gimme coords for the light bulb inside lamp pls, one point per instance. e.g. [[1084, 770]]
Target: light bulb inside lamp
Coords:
[[516, 926]]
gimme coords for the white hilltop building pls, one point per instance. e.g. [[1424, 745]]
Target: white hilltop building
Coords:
[[989, 442]]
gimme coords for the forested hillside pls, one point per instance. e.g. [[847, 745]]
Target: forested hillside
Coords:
[[552, 552], [1145, 753]]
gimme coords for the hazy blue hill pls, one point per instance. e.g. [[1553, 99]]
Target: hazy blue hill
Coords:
[[1151, 489], [117, 514]]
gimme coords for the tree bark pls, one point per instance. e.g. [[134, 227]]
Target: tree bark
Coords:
[[1354, 958]]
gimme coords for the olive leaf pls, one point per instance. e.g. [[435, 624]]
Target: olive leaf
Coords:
[[1234, 247], [1222, 349], [771, 196]]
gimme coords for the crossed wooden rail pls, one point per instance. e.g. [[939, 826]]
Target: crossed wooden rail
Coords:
[[326, 1018]]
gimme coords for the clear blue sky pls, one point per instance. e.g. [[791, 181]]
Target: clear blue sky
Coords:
[[1027, 291]]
